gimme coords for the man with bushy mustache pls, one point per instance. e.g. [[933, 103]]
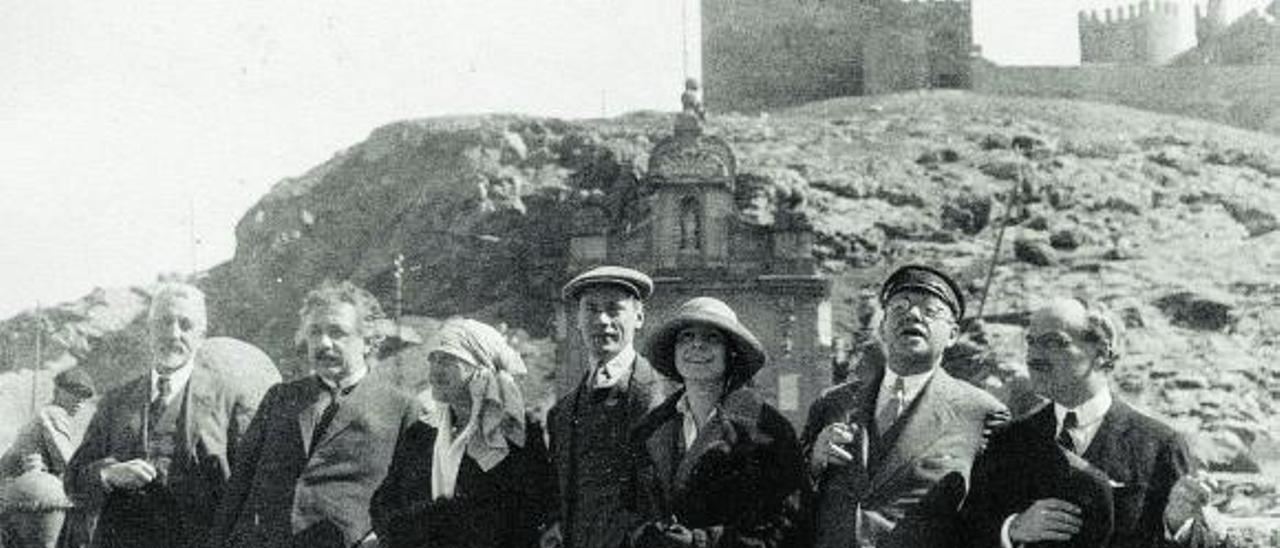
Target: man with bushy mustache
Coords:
[[157, 453], [322, 444], [879, 443]]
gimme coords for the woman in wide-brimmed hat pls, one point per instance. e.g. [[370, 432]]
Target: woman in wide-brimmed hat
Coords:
[[717, 465], [474, 473]]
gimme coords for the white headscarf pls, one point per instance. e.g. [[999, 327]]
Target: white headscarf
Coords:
[[497, 407]]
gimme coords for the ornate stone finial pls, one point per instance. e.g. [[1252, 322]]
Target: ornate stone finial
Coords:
[[691, 100]]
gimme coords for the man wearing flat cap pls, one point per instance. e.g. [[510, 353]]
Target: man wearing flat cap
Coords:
[[590, 426], [876, 445], [49, 436]]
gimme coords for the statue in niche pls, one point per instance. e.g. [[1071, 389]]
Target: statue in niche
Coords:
[[690, 225]]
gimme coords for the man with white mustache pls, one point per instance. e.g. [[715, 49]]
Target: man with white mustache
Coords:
[[590, 427], [158, 450], [879, 443]]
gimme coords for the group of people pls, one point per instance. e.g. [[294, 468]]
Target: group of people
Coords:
[[670, 446]]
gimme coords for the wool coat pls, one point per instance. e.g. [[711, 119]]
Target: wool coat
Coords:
[[504, 507], [737, 485]]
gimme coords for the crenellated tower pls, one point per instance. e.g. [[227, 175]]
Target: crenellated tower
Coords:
[[1150, 32]]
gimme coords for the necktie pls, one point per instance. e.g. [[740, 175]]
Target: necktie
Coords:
[[334, 398], [892, 408], [164, 387], [1069, 423]]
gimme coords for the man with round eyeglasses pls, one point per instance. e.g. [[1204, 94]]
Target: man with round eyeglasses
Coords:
[[876, 445]]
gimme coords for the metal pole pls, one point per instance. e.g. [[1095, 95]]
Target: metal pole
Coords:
[[995, 255], [35, 367]]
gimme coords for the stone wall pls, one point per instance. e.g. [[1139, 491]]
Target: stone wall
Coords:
[[1242, 96]]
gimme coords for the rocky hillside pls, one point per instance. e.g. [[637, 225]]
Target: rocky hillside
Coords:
[[1170, 222]]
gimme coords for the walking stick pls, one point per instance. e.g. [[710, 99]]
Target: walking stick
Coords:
[[1004, 222]]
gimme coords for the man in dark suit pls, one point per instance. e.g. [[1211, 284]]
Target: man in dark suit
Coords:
[[158, 451], [590, 427], [879, 443], [320, 445], [1070, 348]]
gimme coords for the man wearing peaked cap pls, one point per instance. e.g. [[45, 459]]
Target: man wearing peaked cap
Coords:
[[876, 445], [590, 427]]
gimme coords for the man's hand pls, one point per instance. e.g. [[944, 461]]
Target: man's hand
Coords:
[[993, 422], [1046, 520], [831, 446], [1187, 500], [551, 537], [131, 474]]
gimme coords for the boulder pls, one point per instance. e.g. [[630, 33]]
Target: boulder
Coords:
[[1034, 251], [1197, 311]]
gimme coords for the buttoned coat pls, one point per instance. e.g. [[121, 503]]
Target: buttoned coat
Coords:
[[940, 433], [645, 390], [1024, 464], [212, 419], [285, 491], [740, 481]]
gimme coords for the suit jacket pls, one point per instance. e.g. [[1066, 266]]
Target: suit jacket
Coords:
[[504, 507], [1144, 458], [286, 492], [940, 433], [1024, 464], [740, 481], [212, 419], [645, 391]]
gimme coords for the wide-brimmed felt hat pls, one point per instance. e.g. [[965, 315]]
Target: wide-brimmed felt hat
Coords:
[[926, 279], [633, 281], [745, 354]]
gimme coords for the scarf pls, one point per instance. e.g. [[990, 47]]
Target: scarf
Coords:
[[497, 407]]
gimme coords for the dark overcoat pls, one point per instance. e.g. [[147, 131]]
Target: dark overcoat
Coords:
[[212, 419], [644, 391], [504, 507], [285, 491], [739, 483]]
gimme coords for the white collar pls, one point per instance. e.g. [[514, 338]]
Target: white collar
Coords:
[[177, 379], [1088, 413], [616, 370], [688, 424], [347, 382], [911, 384]]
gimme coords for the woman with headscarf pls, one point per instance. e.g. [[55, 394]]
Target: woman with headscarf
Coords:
[[718, 467], [474, 472]]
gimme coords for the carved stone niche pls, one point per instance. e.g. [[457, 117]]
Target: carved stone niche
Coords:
[[691, 157]]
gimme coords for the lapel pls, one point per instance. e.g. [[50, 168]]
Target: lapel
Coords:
[[307, 412], [196, 396], [360, 397], [134, 401], [659, 444], [740, 410], [920, 428], [1114, 424]]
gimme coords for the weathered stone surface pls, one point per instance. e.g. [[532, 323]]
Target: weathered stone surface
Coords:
[[1197, 311], [1034, 251]]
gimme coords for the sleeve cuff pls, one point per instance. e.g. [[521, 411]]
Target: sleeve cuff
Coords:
[[1005, 541]]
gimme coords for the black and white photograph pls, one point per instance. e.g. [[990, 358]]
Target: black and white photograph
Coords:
[[640, 274]]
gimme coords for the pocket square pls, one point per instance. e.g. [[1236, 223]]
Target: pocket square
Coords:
[[1116, 484]]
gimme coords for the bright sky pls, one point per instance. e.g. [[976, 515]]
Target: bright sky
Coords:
[[126, 123]]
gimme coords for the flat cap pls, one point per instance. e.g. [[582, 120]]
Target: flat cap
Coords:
[[75, 381], [633, 281], [929, 280]]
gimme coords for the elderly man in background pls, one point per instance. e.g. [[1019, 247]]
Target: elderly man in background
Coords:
[[590, 427], [879, 443], [321, 445], [1071, 347], [156, 456]]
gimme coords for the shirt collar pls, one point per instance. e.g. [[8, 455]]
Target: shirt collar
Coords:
[[616, 370], [688, 424], [911, 384], [177, 379], [1090, 412], [347, 383]]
